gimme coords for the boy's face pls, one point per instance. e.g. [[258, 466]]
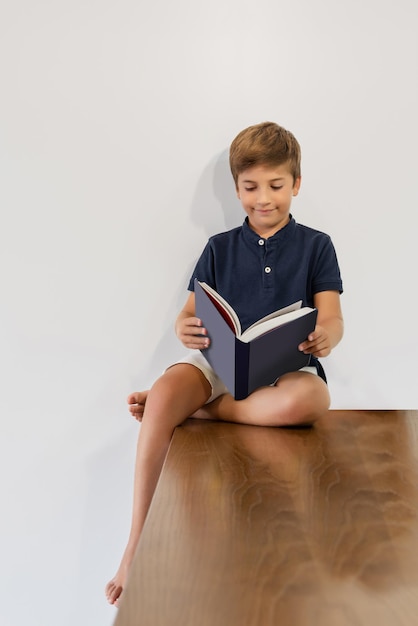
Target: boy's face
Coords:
[[266, 195]]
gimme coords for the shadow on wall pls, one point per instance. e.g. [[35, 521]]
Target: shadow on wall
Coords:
[[216, 189], [214, 209]]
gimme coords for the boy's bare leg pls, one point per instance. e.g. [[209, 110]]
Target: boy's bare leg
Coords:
[[297, 398], [180, 391]]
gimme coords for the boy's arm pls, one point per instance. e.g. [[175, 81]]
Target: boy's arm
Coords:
[[329, 325], [189, 328]]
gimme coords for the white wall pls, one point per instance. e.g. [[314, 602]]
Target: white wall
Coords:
[[115, 119]]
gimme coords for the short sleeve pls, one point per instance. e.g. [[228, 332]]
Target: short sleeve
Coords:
[[326, 274], [204, 270]]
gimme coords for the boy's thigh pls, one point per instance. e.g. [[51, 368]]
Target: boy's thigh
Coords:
[[303, 394], [195, 358], [296, 399]]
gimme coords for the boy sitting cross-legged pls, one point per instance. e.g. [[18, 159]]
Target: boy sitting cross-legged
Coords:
[[275, 260]]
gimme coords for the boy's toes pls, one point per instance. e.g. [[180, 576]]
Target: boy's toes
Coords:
[[113, 592], [137, 397], [133, 397], [136, 402], [136, 412]]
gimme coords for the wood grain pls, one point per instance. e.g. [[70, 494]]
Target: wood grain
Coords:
[[255, 526]]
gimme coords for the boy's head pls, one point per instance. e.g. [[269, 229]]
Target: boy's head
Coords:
[[266, 144]]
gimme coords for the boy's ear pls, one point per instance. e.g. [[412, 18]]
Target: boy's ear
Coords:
[[237, 191], [296, 185]]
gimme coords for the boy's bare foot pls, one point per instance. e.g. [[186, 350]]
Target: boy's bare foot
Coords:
[[114, 587], [136, 403]]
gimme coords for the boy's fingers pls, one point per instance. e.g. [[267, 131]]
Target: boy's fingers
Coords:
[[314, 340], [195, 333], [309, 346], [193, 321], [195, 341], [196, 330]]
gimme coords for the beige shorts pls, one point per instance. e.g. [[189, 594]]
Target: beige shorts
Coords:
[[196, 358]]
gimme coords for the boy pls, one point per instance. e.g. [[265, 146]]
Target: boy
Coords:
[[267, 263]]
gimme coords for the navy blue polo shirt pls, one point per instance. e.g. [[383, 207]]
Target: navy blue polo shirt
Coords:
[[258, 276]]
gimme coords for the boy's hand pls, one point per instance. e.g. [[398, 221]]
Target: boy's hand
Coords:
[[192, 334], [318, 343]]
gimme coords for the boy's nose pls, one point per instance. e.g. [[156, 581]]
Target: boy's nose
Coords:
[[263, 198]]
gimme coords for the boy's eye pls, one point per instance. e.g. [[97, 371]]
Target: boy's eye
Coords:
[[274, 187]]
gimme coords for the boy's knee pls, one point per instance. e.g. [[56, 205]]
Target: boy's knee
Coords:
[[309, 402], [181, 385]]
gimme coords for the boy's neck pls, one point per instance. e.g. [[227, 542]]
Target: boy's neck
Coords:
[[269, 232]]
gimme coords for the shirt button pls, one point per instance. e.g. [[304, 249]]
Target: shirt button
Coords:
[[267, 270], [261, 242]]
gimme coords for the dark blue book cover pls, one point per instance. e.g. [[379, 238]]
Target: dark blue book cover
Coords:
[[243, 367]]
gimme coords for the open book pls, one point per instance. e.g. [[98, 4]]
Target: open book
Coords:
[[259, 355]]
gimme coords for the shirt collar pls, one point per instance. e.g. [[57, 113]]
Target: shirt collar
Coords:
[[282, 235]]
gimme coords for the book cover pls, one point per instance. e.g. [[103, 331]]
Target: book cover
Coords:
[[245, 366]]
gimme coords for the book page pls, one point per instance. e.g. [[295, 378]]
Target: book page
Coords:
[[283, 311], [270, 323], [225, 309]]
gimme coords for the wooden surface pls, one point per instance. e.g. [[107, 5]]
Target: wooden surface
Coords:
[[254, 526]]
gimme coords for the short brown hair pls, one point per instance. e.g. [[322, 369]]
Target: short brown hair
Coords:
[[264, 144]]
